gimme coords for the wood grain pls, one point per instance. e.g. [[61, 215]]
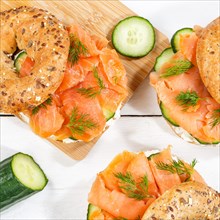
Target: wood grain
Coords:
[[97, 17]]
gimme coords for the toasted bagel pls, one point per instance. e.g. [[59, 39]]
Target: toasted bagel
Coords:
[[208, 57], [46, 41], [189, 200]]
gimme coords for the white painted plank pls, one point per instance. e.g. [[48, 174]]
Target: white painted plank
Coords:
[[143, 102]]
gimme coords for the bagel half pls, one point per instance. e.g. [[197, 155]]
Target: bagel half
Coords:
[[189, 200], [176, 196], [208, 58], [46, 41], [186, 101]]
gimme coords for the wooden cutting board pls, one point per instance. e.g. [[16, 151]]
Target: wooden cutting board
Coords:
[[98, 17]]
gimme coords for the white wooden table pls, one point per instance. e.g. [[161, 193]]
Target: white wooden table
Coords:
[[140, 128]]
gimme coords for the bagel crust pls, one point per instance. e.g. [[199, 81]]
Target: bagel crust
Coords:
[[46, 41], [208, 58], [189, 200]]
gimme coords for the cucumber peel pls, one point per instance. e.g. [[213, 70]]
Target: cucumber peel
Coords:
[[133, 37]]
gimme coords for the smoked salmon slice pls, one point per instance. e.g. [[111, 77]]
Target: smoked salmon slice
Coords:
[[113, 67], [76, 73], [188, 45], [114, 202], [85, 116], [195, 176], [140, 167], [164, 179], [80, 34], [118, 165], [47, 120]]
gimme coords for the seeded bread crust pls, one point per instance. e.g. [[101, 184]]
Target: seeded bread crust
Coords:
[[208, 57], [189, 200], [46, 41]]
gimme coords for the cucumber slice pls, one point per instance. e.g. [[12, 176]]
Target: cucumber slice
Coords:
[[163, 58], [166, 115], [152, 155], [108, 114], [205, 143], [175, 40], [20, 177], [92, 209], [133, 37], [19, 60]]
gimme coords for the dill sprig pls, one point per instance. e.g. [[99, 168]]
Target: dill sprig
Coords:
[[135, 190], [92, 92], [79, 122], [187, 99], [42, 105], [215, 118], [76, 49], [88, 92], [99, 80], [180, 66], [177, 167]]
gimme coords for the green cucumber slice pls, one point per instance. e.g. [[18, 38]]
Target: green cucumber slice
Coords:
[[133, 37], [108, 114], [19, 60], [20, 177], [163, 58], [175, 40], [166, 115], [206, 143], [91, 209], [152, 155]]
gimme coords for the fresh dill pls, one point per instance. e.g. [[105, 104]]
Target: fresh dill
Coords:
[[180, 66], [42, 105], [92, 92], [215, 118], [88, 92], [187, 99], [178, 167], [133, 189], [79, 122], [99, 80], [76, 49]]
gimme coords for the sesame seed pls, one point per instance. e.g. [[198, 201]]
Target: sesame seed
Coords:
[[38, 98], [190, 201]]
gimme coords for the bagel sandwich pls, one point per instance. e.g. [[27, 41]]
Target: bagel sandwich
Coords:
[[61, 79], [151, 185], [187, 82]]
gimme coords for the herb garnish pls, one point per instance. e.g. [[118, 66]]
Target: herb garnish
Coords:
[[180, 66], [187, 99], [133, 189], [79, 122], [91, 92], [76, 49], [177, 167], [215, 117], [42, 105], [100, 81], [88, 92]]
